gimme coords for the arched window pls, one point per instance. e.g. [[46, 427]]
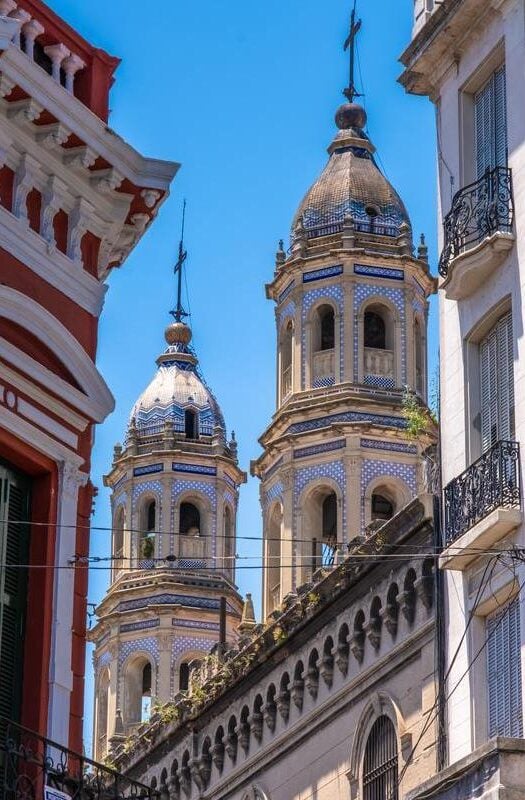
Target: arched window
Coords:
[[324, 329], [320, 528], [190, 520], [419, 357], [286, 360], [229, 540], [146, 693], [375, 331], [184, 676], [118, 542], [191, 425], [272, 573], [151, 515], [380, 763], [382, 506]]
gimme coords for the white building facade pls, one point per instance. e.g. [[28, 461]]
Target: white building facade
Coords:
[[469, 59]]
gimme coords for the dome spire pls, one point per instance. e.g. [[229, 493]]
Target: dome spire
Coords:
[[351, 92], [178, 334]]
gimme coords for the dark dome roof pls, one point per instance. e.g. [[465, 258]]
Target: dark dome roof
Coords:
[[351, 185]]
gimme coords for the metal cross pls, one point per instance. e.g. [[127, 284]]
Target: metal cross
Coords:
[[179, 312], [351, 92]]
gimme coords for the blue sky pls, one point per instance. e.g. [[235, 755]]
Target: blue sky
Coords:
[[243, 95]]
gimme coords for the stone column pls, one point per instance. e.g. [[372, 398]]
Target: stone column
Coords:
[[60, 673], [165, 637], [57, 53], [71, 65], [22, 17], [348, 364], [32, 30]]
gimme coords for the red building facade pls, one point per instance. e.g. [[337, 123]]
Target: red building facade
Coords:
[[74, 200]]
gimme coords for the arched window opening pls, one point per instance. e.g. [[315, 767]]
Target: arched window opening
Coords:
[[273, 560], [149, 523], [321, 527], [327, 327], [190, 520], [229, 541], [191, 426], [375, 331], [286, 360], [380, 763], [118, 542], [418, 337], [146, 693], [382, 506], [184, 676]]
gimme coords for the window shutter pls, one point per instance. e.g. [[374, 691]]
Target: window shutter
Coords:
[[490, 119], [14, 550], [504, 672], [497, 384]]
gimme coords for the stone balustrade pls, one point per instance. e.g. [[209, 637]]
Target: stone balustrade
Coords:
[[379, 362], [324, 364]]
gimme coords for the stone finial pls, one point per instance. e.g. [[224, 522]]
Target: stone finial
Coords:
[[232, 444], [248, 621], [280, 256], [422, 250]]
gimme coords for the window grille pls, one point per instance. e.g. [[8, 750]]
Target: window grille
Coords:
[[490, 113], [497, 384], [14, 550], [504, 672], [380, 773]]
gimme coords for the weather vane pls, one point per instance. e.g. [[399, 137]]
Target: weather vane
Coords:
[[351, 92], [178, 313]]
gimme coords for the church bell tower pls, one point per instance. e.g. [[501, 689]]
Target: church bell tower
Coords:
[[351, 305], [174, 493]]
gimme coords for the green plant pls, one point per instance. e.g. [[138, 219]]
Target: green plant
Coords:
[[313, 599], [148, 546], [416, 415], [279, 634]]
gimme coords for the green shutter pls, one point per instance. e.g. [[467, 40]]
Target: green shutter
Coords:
[[490, 112], [497, 384], [14, 551]]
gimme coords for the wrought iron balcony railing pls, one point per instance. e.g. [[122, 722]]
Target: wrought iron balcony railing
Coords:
[[31, 764], [491, 482], [479, 210]]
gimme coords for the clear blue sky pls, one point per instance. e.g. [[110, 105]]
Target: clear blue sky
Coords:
[[243, 95]]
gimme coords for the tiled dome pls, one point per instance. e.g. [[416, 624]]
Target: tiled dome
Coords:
[[176, 386], [351, 185]]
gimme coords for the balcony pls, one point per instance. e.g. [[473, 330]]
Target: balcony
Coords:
[[30, 763], [482, 505], [323, 368], [192, 547], [477, 233], [379, 368]]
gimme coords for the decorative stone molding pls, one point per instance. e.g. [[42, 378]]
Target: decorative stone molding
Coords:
[[32, 29], [25, 111], [25, 179], [53, 136], [71, 65]]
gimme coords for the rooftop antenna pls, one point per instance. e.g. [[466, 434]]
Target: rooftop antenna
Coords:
[[178, 313], [351, 92]]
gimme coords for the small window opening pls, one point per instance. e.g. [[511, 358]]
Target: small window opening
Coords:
[[146, 693], [327, 321], [375, 331], [150, 517], [382, 507], [184, 676], [190, 520], [190, 424]]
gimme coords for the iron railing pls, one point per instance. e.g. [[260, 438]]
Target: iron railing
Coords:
[[324, 553], [493, 481], [35, 768], [479, 210]]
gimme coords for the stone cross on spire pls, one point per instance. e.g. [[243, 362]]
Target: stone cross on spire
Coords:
[[178, 313], [350, 93]]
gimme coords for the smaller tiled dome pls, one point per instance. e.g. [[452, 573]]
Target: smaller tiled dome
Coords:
[[176, 387]]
